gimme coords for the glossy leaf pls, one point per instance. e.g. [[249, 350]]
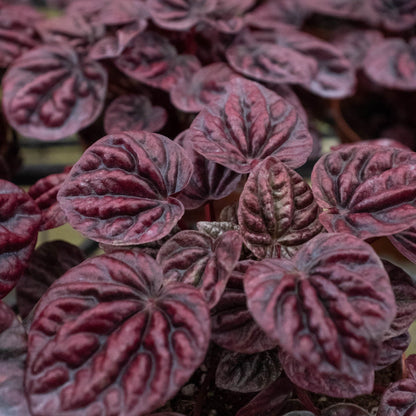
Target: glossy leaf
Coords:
[[44, 193], [109, 338], [133, 112], [49, 262], [197, 259], [405, 242], [246, 373], [119, 192], [392, 64], [328, 308], [366, 190], [233, 327], [277, 212], [399, 399], [50, 92], [19, 220], [248, 124]]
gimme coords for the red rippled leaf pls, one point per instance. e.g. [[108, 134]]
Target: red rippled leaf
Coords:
[[248, 124], [120, 191], [110, 338], [49, 262], [133, 112], [366, 190], [399, 399], [344, 409], [328, 308], [277, 212], [392, 350], [405, 242], [197, 259], [50, 92], [19, 220], [396, 15]]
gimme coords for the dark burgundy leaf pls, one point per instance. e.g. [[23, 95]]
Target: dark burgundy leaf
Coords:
[[19, 220], [206, 85], [215, 228], [179, 14], [13, 347], [392, 64], [19, 17], [233, 327], [399, 399], [344, 409], [49, 262], [277, 212], [328, 307], [167, 414], [396, 15], [133, 112], [411, 366], [210, 181], [44, 193], [366, 190], [50, 92], [12, 45], [270, 401], [197, 259], [392, 350], [379, 142], [246, 373], [119, 192], [184, 68], [109, 338], [248, 124]]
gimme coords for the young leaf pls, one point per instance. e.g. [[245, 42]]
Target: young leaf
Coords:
[[119, 192], [110, 338]]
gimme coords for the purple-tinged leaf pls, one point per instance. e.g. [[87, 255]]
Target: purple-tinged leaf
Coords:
[[405, 242], [120, 191], [50, 92], [13, 348], [233, 327], [179, 14], [110, 338], [19, 220], [19, 17], [248, 124], [270, 401], [399, 399], [197, 259], [246, 373], [410, 365], [379, 142], [133, 112], [392, 350], [167, 414], [344, 409], [215, 228], [277, 212], [396, 15], [206, 85], [328, 307], [210, 181], [44, 193], [366, 190], [49, 262], [392, 64]]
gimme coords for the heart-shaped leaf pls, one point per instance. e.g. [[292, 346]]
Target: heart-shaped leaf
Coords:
[[19, 219], [248, 124], [110, 338], [328, 308], [119, 192], [277, 212], [366, 190], [50, 92]]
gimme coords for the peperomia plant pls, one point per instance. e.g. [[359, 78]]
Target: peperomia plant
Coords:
[[229, 283]]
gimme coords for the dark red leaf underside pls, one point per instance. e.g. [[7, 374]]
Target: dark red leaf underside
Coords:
[[133, 112], [49, 262], [405, 242], [328, 308], [19, 220], [109, 338], [195, 258], [50, 92], [44, 193], [366, 190], [13, 348], [399, 399], [248, 124], [396, 15], [277, 212], [392, 64], [392, 350], [119, 192], [246, 373], [209, 181], [233, 327]]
